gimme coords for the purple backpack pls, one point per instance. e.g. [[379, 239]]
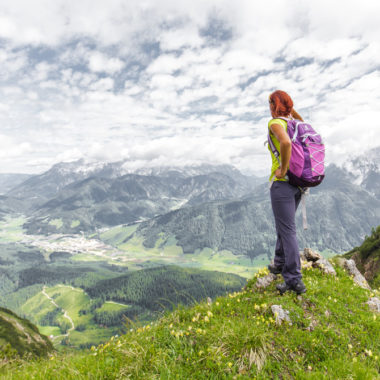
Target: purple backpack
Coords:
[[306, 165]]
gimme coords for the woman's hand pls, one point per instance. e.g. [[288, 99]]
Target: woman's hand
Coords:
[[280, 173]]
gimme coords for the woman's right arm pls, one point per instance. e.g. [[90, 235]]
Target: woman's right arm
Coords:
[[285, 149]]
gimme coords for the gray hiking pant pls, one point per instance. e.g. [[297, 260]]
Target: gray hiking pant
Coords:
[[285, 199]]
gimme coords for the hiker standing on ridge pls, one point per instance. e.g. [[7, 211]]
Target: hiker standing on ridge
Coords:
[[284, 197]]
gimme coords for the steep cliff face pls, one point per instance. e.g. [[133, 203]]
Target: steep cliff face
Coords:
[[20, 336], [367, 257]]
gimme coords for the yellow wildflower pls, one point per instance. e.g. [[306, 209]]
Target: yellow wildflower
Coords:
[[368, 352], [230, 364]]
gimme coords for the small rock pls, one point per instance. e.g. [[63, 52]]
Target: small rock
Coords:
[[312, 325], [327, 313], [280, 314], [325, 266], [302, 256], [358, 277], [374, 304], [265, 281], [310, 255]]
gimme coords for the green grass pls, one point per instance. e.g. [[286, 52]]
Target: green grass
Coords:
[[116, 235], [49, 330], [75, 223], [36, 307], [166, 251], [236, 337], [91, 336], [11, 229], [58, 223], [112, 306], [72, 300]]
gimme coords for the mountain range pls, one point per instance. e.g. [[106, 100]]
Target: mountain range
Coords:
[[200, 206]]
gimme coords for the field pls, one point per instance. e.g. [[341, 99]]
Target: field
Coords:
[[11, 229], [68, 301], [133, 253]]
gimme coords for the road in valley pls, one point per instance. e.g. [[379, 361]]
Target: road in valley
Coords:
[[65, 315]]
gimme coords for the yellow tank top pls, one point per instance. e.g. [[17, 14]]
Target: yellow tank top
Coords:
[[275, 164]]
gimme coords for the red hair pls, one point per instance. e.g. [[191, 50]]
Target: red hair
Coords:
[[282, 103]]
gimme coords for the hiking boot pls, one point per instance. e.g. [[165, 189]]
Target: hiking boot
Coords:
[[299, 287], [274, 269], [283, 287]]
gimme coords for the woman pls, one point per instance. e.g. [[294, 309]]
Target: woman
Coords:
[[284, 197]]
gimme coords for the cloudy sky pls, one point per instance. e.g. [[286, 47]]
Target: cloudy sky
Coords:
[[182, 82]]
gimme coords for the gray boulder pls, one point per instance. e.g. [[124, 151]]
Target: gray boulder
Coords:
[[265, 281], [325, 266], [310, 255], [280, 314], [358, 278], [374, 304]]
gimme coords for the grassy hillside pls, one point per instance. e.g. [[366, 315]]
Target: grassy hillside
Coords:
[[157, 288], [333, 335], [80, 318], [367, 257], [18, 335]]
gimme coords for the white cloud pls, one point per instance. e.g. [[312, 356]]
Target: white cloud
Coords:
[[98, 62], [146, 81], [11, 149]]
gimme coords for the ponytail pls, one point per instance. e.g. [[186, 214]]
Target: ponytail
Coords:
[[296, 115]]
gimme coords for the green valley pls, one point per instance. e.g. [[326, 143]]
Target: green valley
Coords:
[[332, 333]]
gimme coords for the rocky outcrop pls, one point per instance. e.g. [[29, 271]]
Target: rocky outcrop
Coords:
[[316, 260], [265, 281], [358, 278], [311, 255], [281, 315], [325, 266]]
